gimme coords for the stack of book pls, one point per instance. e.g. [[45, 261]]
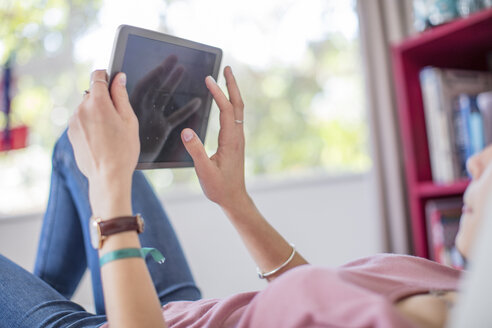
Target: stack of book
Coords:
[[443, 220], [458, 117]]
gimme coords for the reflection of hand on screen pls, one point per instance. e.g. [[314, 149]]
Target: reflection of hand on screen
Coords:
[[149, 99]]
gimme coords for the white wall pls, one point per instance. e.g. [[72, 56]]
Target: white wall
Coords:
[[331, 221]]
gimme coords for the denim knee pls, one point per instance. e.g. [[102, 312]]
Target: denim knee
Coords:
[[62, 151]]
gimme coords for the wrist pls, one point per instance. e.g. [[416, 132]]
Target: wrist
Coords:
[[110, 197], [237, 203], [239, 208], [109, 175]]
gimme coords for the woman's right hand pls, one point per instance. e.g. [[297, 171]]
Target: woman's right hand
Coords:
[[222, 175]]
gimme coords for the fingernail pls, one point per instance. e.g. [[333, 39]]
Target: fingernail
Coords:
[[187, 135], [122, 79], [211, 79]]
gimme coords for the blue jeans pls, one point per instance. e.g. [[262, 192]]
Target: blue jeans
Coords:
[[65, 251]]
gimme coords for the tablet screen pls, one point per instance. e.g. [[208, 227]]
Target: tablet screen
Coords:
[[166, 86]]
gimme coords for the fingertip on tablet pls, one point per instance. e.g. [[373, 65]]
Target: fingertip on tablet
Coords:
[[211, 79]]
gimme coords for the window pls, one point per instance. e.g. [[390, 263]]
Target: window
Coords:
[[297, 64]]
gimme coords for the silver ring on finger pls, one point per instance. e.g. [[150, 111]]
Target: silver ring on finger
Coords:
[[239, 121], [99, 80]]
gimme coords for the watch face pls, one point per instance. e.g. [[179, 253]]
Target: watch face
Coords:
[[141, 223], [94, 232]]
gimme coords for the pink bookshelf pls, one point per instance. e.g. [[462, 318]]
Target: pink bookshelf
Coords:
[[465, 44], [429, 189]]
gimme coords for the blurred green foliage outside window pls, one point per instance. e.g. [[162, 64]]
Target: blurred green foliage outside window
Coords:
[[304, 106]]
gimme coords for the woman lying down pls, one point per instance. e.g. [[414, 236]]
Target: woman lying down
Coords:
[[91, 222]]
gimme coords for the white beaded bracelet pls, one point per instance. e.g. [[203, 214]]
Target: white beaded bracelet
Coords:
[[262, 275]]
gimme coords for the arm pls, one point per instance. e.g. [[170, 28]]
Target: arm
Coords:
[[222, 179], [267, 247], [104, 135]]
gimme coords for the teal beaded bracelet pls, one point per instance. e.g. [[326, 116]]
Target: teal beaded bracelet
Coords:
[[131, 252]]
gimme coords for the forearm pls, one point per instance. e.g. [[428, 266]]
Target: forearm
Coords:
[[104, 135], [267, 247], [129, 294]]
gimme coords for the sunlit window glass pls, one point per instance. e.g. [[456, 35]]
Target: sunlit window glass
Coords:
[[297, 64]]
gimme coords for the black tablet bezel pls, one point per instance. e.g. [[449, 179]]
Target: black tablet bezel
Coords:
[[116, 64]]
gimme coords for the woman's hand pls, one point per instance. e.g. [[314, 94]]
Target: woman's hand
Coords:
[[104, 135], [222, 175], [476, 197]]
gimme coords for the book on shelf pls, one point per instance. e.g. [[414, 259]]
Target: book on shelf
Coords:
[[484, 103], [452, 120], [468, 130], [443, 219]]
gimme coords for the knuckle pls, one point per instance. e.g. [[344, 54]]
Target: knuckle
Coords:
[[134, 121], [99, 73], [97, 102], [229, 107], [97, 97], [84, 112], [76, 114], [70, 136], [78, 117], [70, 125]]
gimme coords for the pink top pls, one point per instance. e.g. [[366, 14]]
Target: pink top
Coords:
[[358, 294]]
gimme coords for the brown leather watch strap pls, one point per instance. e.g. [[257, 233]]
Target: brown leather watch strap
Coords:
[[119, 224]]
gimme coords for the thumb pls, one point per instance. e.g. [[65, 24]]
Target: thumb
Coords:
[[119, 94], [195, 148]]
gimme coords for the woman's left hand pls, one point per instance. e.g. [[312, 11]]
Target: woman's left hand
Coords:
[[222, 175]]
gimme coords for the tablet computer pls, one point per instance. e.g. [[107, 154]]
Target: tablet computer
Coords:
[[166, 86]]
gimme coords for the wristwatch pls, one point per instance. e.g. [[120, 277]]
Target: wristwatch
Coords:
[[100, 229]]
